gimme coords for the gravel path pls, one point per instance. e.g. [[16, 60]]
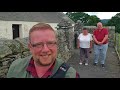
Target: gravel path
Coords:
[[111, 70]]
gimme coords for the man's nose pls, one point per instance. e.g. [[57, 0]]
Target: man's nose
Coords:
[[45, 48]]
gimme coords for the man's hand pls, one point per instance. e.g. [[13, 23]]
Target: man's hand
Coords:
[[100, 43]]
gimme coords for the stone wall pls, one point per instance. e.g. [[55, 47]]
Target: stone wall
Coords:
[[65, 41], [11, 50]]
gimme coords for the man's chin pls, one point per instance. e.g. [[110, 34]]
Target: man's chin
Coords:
[[45, 64], [45, 61]]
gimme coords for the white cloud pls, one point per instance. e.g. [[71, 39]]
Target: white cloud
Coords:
[[103, 15]]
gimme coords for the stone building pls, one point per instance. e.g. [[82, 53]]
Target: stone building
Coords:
[[17, 24]]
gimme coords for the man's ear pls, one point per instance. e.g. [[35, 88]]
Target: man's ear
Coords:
[[30, 47]]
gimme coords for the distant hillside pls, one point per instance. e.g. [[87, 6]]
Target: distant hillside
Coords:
[[104, 21]]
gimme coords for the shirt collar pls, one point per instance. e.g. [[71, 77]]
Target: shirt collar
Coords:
[[31, 69]]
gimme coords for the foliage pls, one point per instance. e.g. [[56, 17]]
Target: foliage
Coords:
[[85, 18], [115, 21], [93, 20], [78, 16]]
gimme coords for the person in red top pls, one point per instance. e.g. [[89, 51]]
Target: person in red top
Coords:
[[100, 37]]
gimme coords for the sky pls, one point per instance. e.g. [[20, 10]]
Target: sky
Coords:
[[103, 15]]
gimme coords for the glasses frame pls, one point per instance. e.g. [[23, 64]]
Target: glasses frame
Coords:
[[40, 45]]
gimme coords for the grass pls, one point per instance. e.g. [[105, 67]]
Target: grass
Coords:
[[117, 44]]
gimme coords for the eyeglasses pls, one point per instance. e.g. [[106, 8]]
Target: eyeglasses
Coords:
[[49, 44]]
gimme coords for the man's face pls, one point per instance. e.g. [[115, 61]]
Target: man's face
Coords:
[[43, 47], [99, 25]]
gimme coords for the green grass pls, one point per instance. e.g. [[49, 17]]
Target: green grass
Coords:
[[117, 43]]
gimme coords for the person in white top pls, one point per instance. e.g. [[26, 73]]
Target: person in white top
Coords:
[[85, 45]]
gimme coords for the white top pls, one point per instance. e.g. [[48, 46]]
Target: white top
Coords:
[[85, 40]]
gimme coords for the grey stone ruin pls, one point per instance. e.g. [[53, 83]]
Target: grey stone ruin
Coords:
[[78, 26], [77, 30], [64, 23], [65, 35]]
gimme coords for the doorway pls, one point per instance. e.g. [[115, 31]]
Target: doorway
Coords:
[[15, 29]]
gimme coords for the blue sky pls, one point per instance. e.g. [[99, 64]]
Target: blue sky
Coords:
[[103, 15]]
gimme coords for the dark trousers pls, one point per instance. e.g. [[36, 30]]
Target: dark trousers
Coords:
[[84, 55]]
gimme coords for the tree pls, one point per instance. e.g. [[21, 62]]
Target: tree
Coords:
[[115, 21], [85, 18], [93, 20], [78, 16]]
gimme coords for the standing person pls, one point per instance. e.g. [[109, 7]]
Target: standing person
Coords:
[[44, 62], [100, 36], [85, 45]]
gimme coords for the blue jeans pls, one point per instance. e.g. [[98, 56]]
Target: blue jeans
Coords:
[[100, 51]]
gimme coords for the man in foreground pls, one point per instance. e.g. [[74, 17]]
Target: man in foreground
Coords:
[[43, 63]]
